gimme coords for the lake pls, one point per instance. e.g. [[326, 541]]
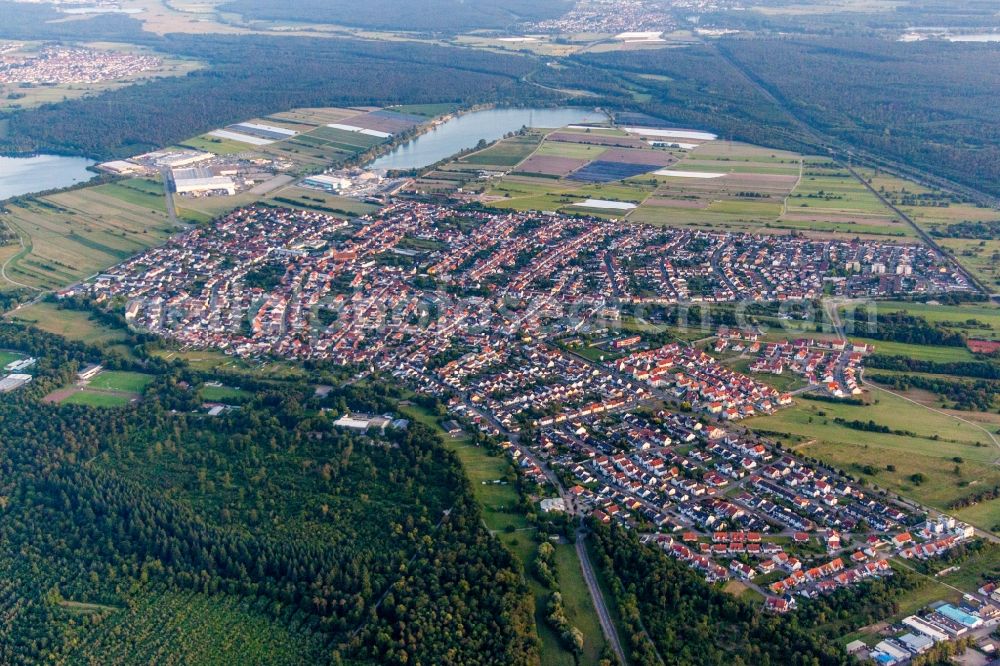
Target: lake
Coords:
[[25, 175], [465, 131]]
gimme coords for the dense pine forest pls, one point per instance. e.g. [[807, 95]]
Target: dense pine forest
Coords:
[[434, 16], [250, 76], [672, 617], [272, 532]]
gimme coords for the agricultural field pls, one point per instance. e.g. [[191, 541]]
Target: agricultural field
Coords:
[[310, 199], [948, 219], [711, 184], [506, 153], [930, 456], [72, 235]]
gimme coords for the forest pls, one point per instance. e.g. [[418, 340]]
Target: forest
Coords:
[[950, 128], [671, 614], [979, 369], [901, 327], [252, 76], [126, 528], [433, 16], [978, 395]]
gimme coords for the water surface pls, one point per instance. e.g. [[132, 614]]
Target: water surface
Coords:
[[26, 175], [465, 131]]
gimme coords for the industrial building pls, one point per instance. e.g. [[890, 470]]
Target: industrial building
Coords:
[[327, 183], [201, 181], [13, 381]]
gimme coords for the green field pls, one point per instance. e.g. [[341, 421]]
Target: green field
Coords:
[[9, 357], [426, 110], [505, 153], [72, 324], [127, 382], [220, 393], [953, 317], [310, 199], [96, 399], [937, 442], [216, 145], [207, 360], [579, 151]]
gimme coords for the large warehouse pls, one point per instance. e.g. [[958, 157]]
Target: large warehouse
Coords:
[[201, 181]]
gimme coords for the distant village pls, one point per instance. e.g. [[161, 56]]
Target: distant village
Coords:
[[71, 64]]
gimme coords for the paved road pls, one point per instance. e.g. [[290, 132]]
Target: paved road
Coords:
[[596, 595], [924, 236], [168, 195], [607, 625]]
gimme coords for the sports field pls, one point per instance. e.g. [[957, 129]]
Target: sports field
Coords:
[[128, 382], [97, 399]]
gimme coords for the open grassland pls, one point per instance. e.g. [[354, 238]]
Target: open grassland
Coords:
[[310, 199], [952, 458], [221, 393], [206, 360], [9, 357], [216, 145], [71, 324], [71, 235], [205, 209]]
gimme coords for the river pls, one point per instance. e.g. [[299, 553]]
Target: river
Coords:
[[25, 175], [465, 131]]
